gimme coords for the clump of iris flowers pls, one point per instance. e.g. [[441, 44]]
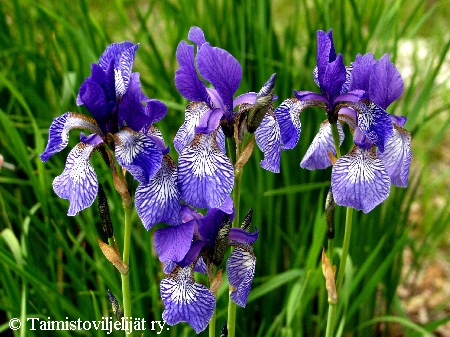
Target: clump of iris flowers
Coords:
[[122, 121], [357, 95]]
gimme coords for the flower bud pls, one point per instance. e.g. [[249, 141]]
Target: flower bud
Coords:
[[118, 311], [103, 209], [262, 104], [329, 274]]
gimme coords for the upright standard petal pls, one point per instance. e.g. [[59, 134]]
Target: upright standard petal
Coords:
[[186, 78], [137, 153], [317, 155], [386, 83], [348, 79], [122, 70], [113, 53], [58, 136], [374, 122], [119, 58], [205, 174], [196, 35], [78, 182], [159, 200], [397, 156], [324, 47], [361, 72], [93, 97], [172, 243], [268, 138], [359, 180], [241, 270], [186, 133], [222, 70], [334, 78], [186, 301]]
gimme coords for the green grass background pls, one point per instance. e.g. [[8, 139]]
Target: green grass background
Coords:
[[50, 264]]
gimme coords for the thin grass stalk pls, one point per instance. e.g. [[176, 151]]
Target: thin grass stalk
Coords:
[[126, 298]]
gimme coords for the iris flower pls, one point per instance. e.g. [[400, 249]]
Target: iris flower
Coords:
[[184, 299], [357, 95], [205, 173], [122, 118]]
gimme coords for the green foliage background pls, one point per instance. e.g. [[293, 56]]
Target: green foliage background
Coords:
[[50, 264]]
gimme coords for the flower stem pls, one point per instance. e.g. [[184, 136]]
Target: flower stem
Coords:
[[331, 318], [346, 244], [330, 250], [333, 307], [126, 298], [231, 321], [336, 139], [212, 325]]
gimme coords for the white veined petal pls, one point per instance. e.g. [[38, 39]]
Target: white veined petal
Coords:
[[288, 119], [241, 270], [159, 200], [186, 133], [397, 156], [374, 122], [78, 182], [268, 138], [138, 153], [316, 156], [359, 180], [205, 174], [186, 301], [58, 136]]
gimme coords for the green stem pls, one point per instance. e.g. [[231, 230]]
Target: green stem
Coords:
[[333, 307], [331, 318], [237, 196], [346, 244], [212, 322], [231, 322], [330, 250], [336, 139], [126, 259], [212, 325]]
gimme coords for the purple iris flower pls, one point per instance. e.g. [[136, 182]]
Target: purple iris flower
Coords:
[[362, 178], [357, 95], [210, 116], [122, 119], [188, 301]]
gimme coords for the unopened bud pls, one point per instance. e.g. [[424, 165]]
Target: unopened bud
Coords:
[[118, 311], [330, 206], [247, 220], [103, 209], [262, 104], [221, 241], [329, 274], [224, 332]]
